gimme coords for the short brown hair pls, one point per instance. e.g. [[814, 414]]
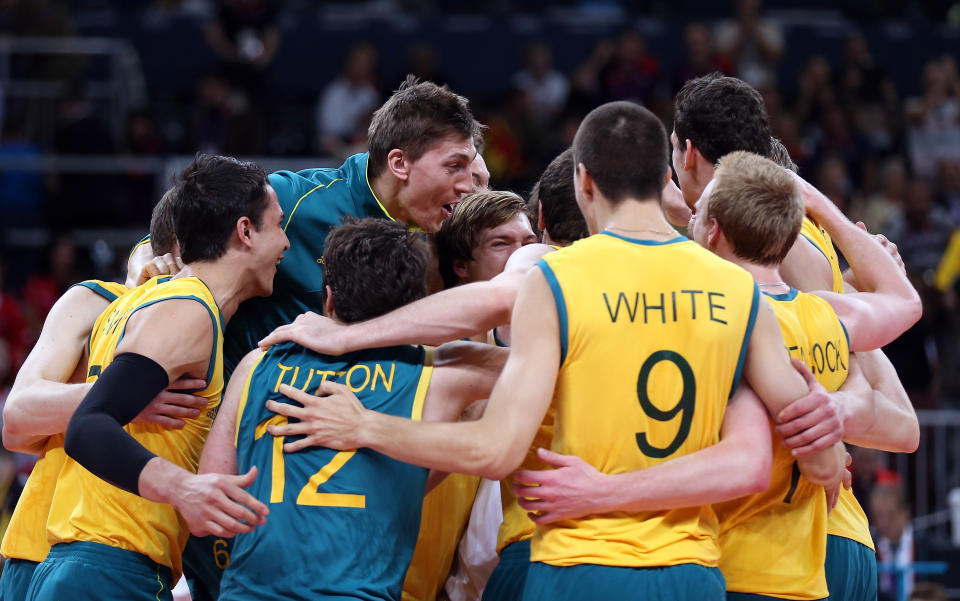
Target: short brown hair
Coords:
[[758, 206], [554, 193], [625, 149], [781, 156], [373, 266], [416, 117], [163, 238], [458, 236]]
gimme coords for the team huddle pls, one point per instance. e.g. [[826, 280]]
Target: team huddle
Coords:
[[296, 359]]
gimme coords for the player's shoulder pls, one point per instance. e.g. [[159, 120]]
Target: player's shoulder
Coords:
[[296, 184]]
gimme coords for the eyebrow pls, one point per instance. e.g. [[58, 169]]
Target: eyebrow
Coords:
[[460, 155]]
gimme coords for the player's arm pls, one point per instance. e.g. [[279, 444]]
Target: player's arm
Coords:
[[887, 303], [877, 411], [42, 400], [463, 372], [220, 450], [492, 446], [455, 313], [150, 355], [777, 382], [736, 466], [805, 267]]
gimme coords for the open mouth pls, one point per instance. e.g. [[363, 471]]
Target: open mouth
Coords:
[[447, 210]]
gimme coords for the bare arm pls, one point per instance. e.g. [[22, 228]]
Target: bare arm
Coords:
[[805, 268], [50, 385], [456, 313], [220, 450], [736, 466], [769, 371], [493, 446], [887, 303], [887, 420]]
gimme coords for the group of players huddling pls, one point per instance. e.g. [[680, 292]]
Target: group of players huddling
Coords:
[[666, 416]]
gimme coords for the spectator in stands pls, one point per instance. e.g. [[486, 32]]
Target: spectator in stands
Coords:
[[348, 101], [632, 73], [934, 118], [923, 232], [868, 93], [422, 63], [44, 288], [949, 188], [815, 91], [223, 121], [21, 192], [701, 56], [893, 537], [753, 43], [545, 87], [14, 334], [244, 34], [880, 210]]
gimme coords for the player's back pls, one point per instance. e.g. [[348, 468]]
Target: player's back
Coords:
[[653, 338], [774, 543], [342, 525]]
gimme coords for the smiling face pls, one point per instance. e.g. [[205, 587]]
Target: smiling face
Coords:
[[494, 247], [436, 181], [269, 243]]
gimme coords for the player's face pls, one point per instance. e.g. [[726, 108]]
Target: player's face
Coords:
[[699, 226], [270, 243], [684, 178], [436, 182], [480, 174], [495, 246]]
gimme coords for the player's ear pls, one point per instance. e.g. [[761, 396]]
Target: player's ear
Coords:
[[245, 231], [584, 181], [540, 225], [328, 301], [714, 233], [398, 163], [460, 268], [690, 154]]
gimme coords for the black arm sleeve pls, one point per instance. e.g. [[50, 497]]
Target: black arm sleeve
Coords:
[[95, 436]]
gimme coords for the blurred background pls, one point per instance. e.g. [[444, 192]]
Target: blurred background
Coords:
[[101, 101]]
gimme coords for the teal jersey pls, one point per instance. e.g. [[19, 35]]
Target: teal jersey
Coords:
[[342, 525], [313, 202]]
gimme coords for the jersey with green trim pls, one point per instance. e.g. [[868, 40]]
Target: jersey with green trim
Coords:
[[653, 337], [86, 508], [26, 534], [346, 520], [774, 543], [313, 202]]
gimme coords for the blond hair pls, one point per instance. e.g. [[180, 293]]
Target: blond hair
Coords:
[[757, 205]]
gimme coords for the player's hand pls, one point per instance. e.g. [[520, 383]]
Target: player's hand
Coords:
[[331, 419], [167, 264], [813, 422], [675, 209], [316, 332], [887, 245], [564, 493], [170, 408], [846, 481], [217, 504]]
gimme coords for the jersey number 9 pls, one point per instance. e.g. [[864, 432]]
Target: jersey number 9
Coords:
[[684, 406]]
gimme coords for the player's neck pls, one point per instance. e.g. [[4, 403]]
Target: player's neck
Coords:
[[766, 276], [636, 219], [220, 277], [386, 187]]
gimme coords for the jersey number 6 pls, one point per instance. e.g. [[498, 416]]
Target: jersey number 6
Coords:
[[684, 406]]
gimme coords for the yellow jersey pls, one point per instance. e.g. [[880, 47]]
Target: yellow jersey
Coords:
[[848, 518], [653, 336], [446, 510], [819, 237], [517, 526], [86, 508], [774, 543], [26, 535]]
